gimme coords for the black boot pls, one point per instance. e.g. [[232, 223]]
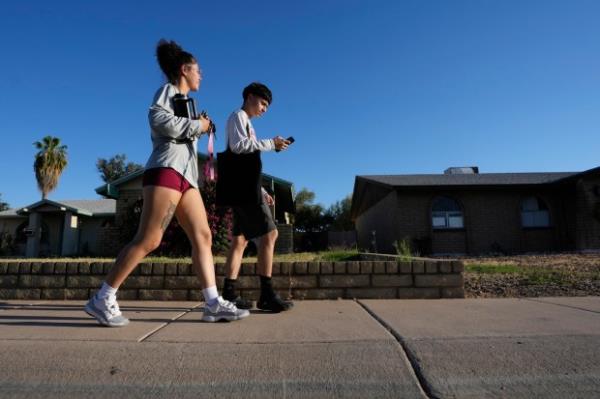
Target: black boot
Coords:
[[230, 295], [269, 300]]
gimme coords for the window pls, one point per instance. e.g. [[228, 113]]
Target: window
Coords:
[[108, 222], [534, 213], [446, 214]]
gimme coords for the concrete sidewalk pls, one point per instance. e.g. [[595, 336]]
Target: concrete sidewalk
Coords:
[[471, 348]]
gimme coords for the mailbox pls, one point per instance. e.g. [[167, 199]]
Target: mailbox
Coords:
[[29, 232]]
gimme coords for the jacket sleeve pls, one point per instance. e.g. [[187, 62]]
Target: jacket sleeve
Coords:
[[239, 140], [163, 121]]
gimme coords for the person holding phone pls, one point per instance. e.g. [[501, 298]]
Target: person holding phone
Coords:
[[170, 188], [252, 218]]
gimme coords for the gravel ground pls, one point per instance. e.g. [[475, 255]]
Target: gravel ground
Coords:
[[535, 276]]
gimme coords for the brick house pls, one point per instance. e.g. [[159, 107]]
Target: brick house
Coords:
[[463, 211], [127, 191]]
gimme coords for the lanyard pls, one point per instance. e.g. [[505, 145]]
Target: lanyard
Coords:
[[209, 168]]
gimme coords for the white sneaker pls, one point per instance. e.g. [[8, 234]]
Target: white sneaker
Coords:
[[223, 310], [106, 311]]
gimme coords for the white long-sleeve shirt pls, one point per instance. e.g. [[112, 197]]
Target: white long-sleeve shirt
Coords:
[[241, 137]]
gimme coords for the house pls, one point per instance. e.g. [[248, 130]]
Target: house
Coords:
[[127, 192], [58, 228], [463, 211]]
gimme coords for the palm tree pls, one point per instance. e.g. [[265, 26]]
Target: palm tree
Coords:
[[50, 161], [3, 205]]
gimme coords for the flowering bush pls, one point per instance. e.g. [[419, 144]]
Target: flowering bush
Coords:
[[220, 220]]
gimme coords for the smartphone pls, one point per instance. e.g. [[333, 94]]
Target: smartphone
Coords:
[[290, 139]]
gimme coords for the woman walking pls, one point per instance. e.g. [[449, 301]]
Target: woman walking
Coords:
[[170, 188]]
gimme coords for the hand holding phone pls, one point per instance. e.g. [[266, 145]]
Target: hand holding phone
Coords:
[[281, 143]]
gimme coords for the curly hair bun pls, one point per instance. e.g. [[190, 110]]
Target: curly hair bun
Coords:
[[170, 57]]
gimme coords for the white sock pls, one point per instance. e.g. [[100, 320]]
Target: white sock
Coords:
[[106, 291], [210, 294]]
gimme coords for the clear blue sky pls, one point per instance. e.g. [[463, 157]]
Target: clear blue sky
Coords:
[[373, 87]]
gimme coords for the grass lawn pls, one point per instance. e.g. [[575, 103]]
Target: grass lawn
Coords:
[[325, 256], [533, 275], [530, 274]]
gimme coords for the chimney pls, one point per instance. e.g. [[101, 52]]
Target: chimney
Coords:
[[462, 170]]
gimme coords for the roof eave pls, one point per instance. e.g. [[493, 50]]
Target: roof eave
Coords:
[[63, 207], [111, 189]]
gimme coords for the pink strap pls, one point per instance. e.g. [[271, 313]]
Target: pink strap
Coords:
[[209, 169]]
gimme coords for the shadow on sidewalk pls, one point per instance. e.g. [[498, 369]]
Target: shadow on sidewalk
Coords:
[[45, 324], [59, 321], [70, 307]]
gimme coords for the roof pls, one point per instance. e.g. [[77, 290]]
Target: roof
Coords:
[[10, 213], [96, 207], [277, 180], [483, 179], [368, 190], [111, 190], [99, 207]]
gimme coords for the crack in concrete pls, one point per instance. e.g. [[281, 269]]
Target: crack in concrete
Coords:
[[424, 385], [560, 304], [163, 325]]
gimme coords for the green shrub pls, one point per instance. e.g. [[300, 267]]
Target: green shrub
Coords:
[[338, 255], [7, 244], [404, 249]]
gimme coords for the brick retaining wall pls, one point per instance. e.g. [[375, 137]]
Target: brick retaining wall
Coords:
[[419, 278]]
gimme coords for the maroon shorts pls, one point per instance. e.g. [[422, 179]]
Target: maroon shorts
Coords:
[[165, 177]]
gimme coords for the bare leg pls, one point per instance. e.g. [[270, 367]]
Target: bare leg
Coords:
[[266, 248], [192, 217], [158, 209], [234, 256]]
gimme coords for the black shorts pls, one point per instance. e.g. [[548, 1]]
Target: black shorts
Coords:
[[252, 221]]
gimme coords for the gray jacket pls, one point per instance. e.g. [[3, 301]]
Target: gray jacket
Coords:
[[165, 129]]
